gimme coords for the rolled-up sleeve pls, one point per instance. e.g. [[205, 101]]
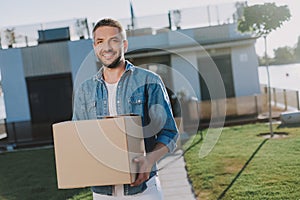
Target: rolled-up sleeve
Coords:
[[168, 134], [169, 139]]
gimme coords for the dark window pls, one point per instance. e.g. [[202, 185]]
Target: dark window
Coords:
[[224, 66], [50, 98]]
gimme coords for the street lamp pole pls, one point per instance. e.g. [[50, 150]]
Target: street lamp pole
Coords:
[[269, 87]]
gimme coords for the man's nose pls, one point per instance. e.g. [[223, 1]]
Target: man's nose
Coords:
[[107, 46]]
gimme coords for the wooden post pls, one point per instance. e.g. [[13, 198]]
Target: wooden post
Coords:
[[285, 99], [297, 97], [274, 96], [256, 104]]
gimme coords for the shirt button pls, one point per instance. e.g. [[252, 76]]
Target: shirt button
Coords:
[[118, 101]]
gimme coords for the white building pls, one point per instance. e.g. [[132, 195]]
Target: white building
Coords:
[[214, 62]]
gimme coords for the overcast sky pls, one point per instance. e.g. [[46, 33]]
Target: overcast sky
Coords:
[[21, 12]]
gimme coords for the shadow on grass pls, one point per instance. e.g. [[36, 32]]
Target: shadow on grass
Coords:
[[243, 168], [276, 135]]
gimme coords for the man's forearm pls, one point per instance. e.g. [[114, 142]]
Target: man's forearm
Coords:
[[157, 153]]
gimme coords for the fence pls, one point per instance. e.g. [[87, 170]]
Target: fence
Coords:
[[27, 35], [239, 109]]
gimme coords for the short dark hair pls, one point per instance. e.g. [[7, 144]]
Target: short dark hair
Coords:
[[112, 23]]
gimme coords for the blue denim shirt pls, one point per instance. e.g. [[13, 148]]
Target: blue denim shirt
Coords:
[[140, 92]]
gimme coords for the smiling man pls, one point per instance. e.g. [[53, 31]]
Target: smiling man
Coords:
[[122, 88]]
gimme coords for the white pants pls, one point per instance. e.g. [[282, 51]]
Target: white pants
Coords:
[[153, 192]]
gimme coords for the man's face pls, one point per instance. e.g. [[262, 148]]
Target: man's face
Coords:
[[109, 46]]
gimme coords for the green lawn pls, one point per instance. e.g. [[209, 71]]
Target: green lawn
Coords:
[[31, 175], [272, 173]]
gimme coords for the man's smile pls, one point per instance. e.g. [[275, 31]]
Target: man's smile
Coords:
[[108, 55]]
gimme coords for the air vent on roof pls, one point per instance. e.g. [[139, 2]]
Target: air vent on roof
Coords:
[[54, 35]]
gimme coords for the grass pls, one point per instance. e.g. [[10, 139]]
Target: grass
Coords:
[[31, 175], [273, 173]]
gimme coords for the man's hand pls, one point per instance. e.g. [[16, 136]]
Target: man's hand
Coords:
[[145, 167], [146, 163]]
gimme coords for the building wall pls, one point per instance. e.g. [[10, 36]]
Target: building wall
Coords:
[[185, 74], [245, 70], [78, 58], [143, 42], [46, 59], [14, 86], [82, 59], [246, 79]]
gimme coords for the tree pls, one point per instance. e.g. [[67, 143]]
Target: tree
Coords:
[[284, 55], [262, 19], [239, 6], [10, 37], [297, 50]]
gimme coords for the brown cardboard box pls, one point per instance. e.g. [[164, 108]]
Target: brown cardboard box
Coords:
[[97, 152]]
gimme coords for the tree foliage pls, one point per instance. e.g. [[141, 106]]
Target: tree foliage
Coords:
[[297, 50], [262, 19], [284, 55]]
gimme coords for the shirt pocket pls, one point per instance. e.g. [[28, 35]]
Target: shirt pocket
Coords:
[[137, 103], [91, 109]]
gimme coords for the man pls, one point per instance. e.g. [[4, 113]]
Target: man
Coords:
[[122, 88]]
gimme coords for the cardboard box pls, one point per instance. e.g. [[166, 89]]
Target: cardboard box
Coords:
[[97, 152]]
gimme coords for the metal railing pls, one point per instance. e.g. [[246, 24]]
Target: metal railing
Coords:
[[27, 35], [284, 99], [239, 108]]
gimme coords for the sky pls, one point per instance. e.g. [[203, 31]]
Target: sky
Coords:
[[23, 12]]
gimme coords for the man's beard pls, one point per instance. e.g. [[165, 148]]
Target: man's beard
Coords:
[[115, 63]]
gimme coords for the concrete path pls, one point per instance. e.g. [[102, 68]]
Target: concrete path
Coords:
[[173, 178]]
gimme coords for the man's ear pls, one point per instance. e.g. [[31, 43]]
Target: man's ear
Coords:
[[125, 43]]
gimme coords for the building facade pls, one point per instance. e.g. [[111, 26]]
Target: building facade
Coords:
[[199, 64]]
